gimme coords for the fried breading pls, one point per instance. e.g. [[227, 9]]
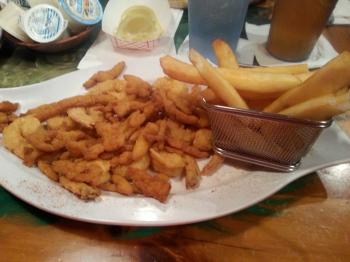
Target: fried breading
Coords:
[[82, 190], [214, 163], [14, 135], [148, 185], [101, 76], [124, 136], [8, 107], [192, 177], [91, 172], [80, 116], [46, 111]]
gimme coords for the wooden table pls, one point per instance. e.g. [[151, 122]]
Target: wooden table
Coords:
[[308, 220]]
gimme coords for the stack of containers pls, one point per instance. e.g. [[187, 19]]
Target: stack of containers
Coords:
[[45, 21]]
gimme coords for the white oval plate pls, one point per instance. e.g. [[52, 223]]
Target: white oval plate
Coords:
[[229, 190]]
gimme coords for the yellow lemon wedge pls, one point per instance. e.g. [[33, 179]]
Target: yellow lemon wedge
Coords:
[[139, 23]]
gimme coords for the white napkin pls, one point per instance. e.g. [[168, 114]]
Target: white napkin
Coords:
[[321, 54], [102, 51], [341, 13]]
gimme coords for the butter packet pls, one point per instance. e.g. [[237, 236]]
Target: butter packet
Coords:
[[136, 24], [9, 21]]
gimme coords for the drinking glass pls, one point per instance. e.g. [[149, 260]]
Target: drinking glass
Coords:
[[296, 26], [211, 19]]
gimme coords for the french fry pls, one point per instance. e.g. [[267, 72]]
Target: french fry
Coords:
[[210, 96], [330, 78], [215, 81], [181, 71], [251, 85], [304, 76], [259, 82], [224, 54], [289, 69], [342, 91], [320, 108], [259, 104]]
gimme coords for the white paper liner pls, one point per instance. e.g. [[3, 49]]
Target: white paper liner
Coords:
[[145, 45], [341, 13], [258, 34], [114, 11], [103, 52]]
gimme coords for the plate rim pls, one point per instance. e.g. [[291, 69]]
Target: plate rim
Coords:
[[179, 221]]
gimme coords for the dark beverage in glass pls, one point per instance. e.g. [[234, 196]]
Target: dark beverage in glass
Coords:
[[296, 26]]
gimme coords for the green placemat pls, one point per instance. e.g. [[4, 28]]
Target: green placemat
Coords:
[[19, 66]]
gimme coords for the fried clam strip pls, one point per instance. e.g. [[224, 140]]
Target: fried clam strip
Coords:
[[137, 86], [15, 141], [192, 176], [79, 115], [114, 85], [101, 76], [6, 119], [80, 189], [149, 185], [173, 112], [170, 164], [89, 149], [46, 111], [127, 106], [178, 102], [8, 107], [215, 162], [93, 173], [47, 170], [113, 135], [119, 139], [120, 185], [187, 148], [6, 113]]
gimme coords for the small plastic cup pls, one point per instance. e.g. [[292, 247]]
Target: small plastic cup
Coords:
[[3, 3], [209, 20], [23, 3], [296, 26], [81, 13], [114, 12], [34, 3], [9, 21], [44, 23]]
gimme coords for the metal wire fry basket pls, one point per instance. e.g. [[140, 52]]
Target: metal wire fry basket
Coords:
[[271, 140]]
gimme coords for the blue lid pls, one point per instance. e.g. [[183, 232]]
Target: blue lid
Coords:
[[23, 3], [44, 23], [86, 12]]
